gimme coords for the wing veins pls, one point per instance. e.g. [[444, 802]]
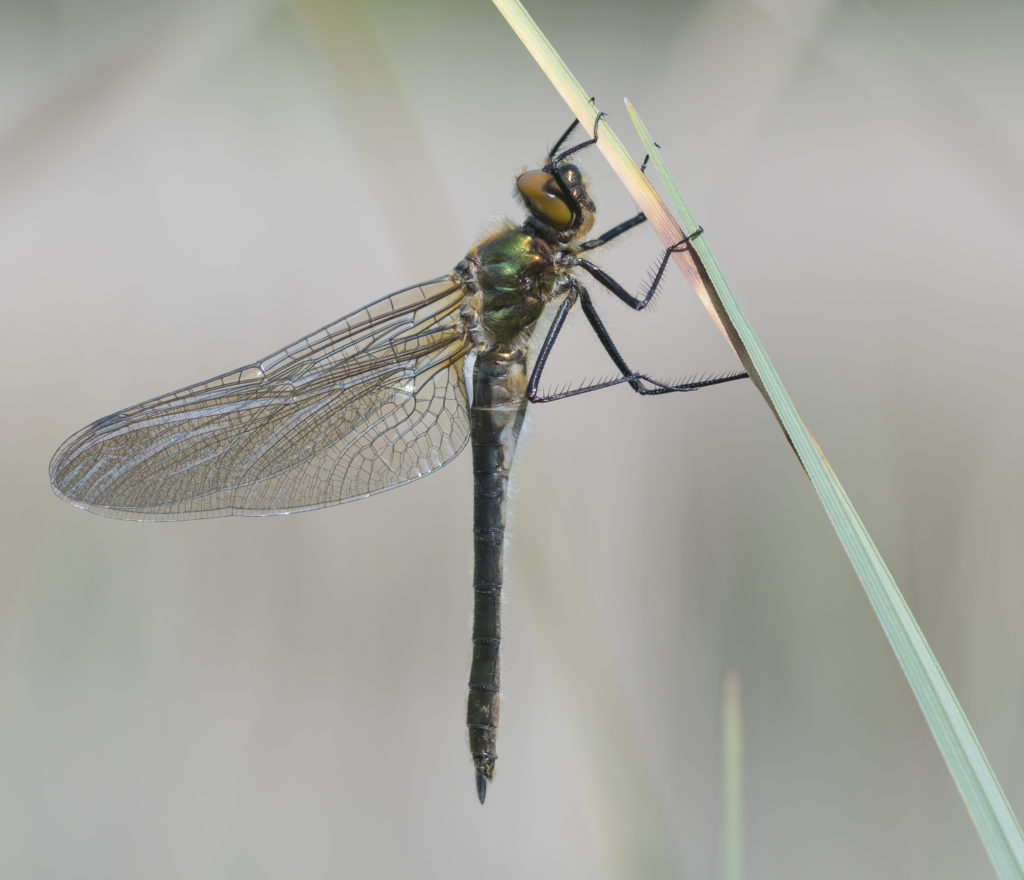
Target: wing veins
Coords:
[[338, 404]]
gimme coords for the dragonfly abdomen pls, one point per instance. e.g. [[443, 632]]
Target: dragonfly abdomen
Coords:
[[496, 417]]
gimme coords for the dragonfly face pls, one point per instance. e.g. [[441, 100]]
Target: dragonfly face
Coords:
[[558, 201], [373, 401]]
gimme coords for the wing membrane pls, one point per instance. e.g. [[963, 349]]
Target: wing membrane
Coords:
[[367, 403]]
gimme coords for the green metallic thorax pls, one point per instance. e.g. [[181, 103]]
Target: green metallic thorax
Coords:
[[515, 274]]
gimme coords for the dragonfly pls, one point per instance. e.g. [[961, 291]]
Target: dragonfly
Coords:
[[381, 397]]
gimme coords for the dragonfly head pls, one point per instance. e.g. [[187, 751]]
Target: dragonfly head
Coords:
[[557, 199]]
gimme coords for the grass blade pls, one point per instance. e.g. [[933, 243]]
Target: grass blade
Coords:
[[732, 778]]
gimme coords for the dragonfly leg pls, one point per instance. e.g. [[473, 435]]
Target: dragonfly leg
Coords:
[[544, 352], [625, 226], [532, 393], [565, 136], [614, 232], [561, 157], [606, 280], [641, 383]]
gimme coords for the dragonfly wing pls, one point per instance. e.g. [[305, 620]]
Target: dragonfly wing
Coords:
[[365, 404]]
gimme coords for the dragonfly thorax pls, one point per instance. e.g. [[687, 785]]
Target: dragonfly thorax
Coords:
[[512, 275]]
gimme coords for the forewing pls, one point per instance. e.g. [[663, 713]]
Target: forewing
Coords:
[[369, 402]]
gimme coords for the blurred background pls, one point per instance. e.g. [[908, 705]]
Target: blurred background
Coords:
[[187, 186]]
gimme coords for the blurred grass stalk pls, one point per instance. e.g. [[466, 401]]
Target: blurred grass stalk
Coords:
[[732, 778], [982, 794]]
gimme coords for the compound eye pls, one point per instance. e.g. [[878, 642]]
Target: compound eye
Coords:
[[546, 198]]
